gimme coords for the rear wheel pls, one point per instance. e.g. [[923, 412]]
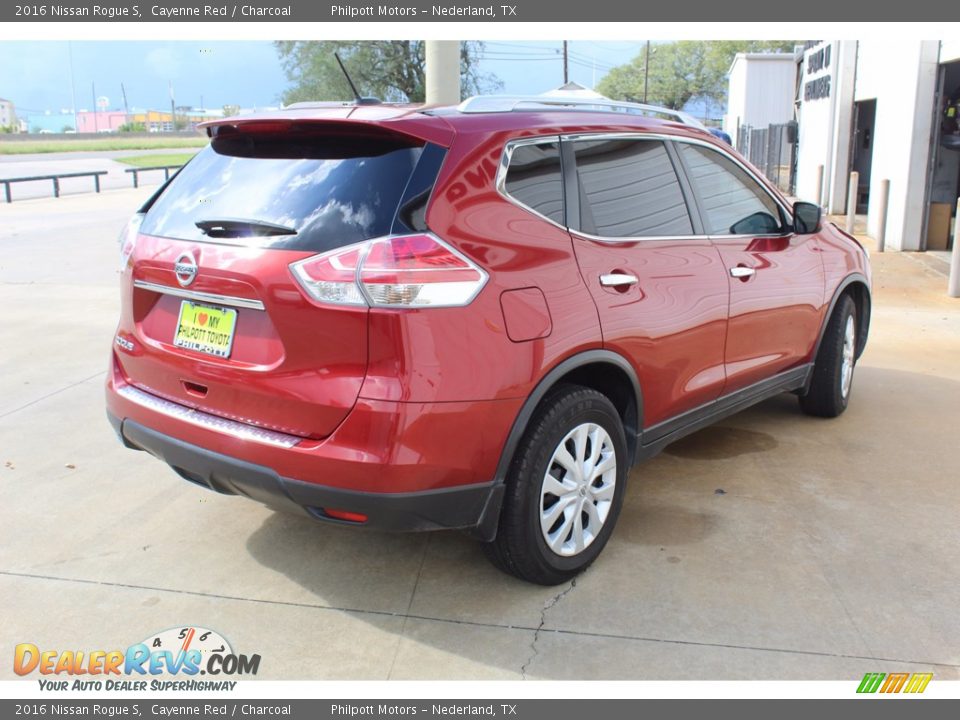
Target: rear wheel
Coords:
[[564, 489], [832, 381]]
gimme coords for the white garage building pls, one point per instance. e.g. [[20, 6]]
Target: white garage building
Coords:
[[762, 90], [889, 112]]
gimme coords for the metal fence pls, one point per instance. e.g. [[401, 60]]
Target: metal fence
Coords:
[[773, 151]]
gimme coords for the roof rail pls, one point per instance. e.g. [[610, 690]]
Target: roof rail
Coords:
[[517, 103], [316, 104]]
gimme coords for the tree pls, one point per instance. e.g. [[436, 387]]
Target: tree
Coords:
[[231, 110], [132, 127], [391, 70], [683, 71]]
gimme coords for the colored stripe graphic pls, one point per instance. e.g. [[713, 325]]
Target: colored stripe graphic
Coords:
[[895, 682], [918, 682], [871, 682]]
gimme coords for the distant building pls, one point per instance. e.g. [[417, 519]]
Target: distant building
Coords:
[[762, 90], [8, 115], [162, 121], [49, 121], [100, 121]]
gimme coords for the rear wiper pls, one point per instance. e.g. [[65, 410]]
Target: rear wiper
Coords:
[[239, 227]]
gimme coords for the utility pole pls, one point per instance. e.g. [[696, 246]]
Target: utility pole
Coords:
[[73, 89], [646, 70], [442, 72], [566, 65], [173, 111]]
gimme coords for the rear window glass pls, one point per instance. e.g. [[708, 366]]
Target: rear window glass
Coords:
[[291, 191], [534, 179]]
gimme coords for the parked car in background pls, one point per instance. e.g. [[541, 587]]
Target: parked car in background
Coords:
[[721, 135], [476, 317]]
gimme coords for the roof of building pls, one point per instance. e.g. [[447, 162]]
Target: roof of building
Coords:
[[763, 57]]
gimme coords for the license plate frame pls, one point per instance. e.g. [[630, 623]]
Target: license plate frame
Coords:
[[188, 337]]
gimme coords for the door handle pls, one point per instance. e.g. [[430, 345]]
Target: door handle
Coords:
[[742, 272], [618, 279]]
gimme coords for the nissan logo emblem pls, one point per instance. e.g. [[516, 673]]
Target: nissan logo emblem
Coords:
[[185, 268]]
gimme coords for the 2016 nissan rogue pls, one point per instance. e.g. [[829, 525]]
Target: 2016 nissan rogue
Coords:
[[475, 317]]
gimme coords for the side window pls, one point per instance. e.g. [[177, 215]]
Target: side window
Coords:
[[629, 188], [534, 179], [732, 201]]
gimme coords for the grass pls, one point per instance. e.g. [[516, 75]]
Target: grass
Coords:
[[113, 142], [155, 160]]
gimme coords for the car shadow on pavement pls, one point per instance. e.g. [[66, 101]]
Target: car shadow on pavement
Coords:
[[767, 494]]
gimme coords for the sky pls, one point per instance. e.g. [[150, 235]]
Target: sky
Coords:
[[36, 76]]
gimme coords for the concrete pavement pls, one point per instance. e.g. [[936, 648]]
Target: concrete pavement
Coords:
[[831, 551]]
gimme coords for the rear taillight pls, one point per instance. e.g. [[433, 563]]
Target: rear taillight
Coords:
[[398, 271], [128, 238], [332, 277]]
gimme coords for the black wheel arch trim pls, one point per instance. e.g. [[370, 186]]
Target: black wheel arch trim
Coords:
[[487, 528], [864, 312]]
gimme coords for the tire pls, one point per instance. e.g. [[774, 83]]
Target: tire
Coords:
[[576, 419], [829, 392]]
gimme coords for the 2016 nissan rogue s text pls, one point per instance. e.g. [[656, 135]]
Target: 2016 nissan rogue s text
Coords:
[[475, 317]]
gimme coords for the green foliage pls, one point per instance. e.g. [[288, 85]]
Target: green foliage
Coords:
[[156, 160], [231, 110], [392, 70], [132, 127], [113, 141], [683, 71]]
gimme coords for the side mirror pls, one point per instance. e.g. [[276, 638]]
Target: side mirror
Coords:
[[806, 218]]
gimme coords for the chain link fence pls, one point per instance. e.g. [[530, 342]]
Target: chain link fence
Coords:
[[773, 151]]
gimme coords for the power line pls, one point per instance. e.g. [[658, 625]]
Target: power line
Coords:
[[523, 46], [514, 53], [526, 59], [586, 62]]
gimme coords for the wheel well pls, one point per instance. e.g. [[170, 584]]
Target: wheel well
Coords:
[[860, 295], [613, 382]]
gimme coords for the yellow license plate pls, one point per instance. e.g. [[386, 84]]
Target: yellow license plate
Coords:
[[205, 329]]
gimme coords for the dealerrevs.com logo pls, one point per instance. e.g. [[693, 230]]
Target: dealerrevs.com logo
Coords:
[[154, 664]]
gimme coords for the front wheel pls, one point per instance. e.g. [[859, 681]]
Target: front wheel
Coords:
[[829, 392], [564, 490]]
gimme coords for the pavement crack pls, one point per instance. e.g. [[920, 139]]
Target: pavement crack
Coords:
[[547, 606], [564, 632], [406, 615], [51, 394]]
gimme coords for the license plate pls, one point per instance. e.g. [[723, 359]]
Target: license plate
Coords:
[[205, 328]]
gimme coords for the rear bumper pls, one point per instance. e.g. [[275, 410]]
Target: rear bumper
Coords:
[[462, 507]]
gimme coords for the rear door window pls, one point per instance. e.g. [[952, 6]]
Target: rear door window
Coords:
[[629, 188], [304, 190]]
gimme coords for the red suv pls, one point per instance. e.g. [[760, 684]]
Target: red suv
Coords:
[[476, 317]]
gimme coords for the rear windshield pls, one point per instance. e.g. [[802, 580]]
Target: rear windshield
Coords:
[[295, 191]]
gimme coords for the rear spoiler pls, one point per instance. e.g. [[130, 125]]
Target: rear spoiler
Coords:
[[406, 120]]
